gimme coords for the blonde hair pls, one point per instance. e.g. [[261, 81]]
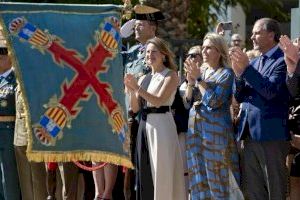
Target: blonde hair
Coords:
[[220, 44], [163, 47]]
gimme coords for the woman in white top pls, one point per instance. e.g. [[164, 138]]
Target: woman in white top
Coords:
[[157, 140]]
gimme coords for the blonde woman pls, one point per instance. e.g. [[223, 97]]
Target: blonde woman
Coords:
[[211, 151]]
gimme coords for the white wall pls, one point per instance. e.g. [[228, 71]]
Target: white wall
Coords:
[[295, 25]]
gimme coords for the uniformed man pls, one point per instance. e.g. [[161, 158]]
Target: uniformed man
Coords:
[[10, 189], [144, 25]]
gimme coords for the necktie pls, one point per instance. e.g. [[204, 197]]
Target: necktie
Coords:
[[262, 62]]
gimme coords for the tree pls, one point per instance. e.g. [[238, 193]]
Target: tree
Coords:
[[191, 18], [200, 17]]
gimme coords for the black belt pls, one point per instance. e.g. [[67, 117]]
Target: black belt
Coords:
[[148, 110], [131, 116]]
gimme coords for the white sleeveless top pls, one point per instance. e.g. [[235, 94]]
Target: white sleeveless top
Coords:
[[155, 85]]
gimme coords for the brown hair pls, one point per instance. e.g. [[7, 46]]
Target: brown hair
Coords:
[[163, 47]]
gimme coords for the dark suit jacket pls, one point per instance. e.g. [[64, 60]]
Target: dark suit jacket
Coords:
[[264, 97], [293, 82]]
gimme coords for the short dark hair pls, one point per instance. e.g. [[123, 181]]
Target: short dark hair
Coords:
[[271, 25]]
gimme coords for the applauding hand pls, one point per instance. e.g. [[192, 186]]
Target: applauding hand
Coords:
[[239, 60], [291, 55]]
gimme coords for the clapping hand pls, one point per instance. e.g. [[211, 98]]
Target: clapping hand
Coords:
[[239, 60], [291, 55], [131, 82], [192, 70]]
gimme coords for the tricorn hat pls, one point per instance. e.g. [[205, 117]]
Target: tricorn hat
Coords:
[[143, 12]]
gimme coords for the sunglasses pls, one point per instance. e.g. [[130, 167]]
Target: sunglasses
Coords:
[[193, 55]]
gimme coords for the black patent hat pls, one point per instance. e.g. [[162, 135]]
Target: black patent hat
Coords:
[[143, 12]]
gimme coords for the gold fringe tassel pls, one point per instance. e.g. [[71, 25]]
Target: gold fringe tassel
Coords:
[[79, 156]]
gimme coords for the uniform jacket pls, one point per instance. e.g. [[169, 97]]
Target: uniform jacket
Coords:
[[7, 96], [264, 97], [134, 61]]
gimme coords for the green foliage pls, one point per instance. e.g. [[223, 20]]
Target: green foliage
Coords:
[[201, 17], [76, 1]]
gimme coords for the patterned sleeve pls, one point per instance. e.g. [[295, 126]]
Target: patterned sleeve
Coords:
[[217, 96]]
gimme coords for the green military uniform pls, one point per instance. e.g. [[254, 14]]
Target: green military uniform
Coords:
[[134, 61], [10, 189]]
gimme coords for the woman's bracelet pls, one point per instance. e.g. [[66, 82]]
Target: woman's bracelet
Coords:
[[190, 85]]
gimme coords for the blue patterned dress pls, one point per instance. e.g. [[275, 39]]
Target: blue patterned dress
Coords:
[[211, 152]]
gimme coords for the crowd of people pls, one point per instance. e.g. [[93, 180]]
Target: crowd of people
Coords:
[[227, 129]]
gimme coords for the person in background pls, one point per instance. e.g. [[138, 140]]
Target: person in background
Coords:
[[211, 152], [157, 140], [236, 40], [181, 108], [291, 57], [261, 89], [9, 184]]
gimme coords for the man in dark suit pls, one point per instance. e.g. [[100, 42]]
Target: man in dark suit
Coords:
[[260, 87]]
